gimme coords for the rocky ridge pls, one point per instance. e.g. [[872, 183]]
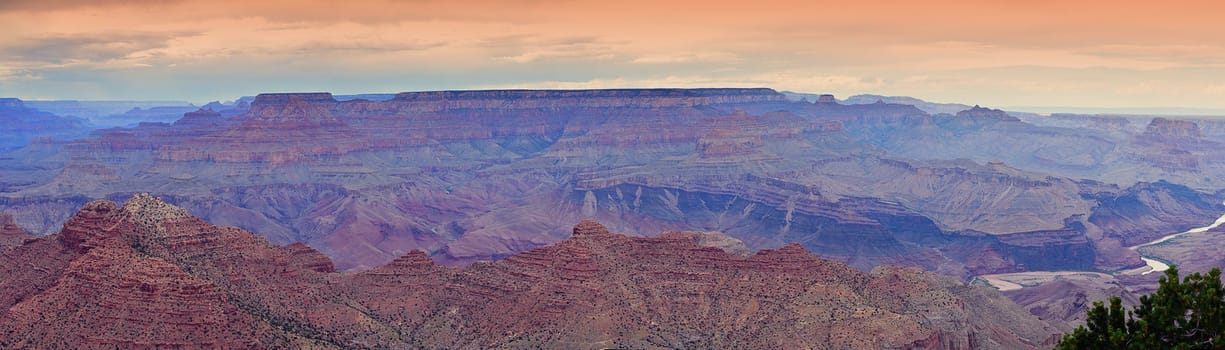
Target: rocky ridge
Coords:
[[155, 277], [23, 125]]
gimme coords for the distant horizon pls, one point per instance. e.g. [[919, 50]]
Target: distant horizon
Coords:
[[1123, 111]]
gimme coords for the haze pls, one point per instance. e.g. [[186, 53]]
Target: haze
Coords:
[[1033, 53]]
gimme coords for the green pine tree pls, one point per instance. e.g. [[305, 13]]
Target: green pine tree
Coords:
[[1182, 314]]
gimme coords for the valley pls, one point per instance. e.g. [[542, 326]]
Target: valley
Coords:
[[478, 174], [471, 177]]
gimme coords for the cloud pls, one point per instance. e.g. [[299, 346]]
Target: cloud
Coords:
[[535, 48], [691, 57], [10, 76], [315, 47], [64, 49], [1170, 54]]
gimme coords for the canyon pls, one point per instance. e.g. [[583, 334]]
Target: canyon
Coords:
[[427, 180]]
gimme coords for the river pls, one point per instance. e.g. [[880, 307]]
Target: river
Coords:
[[1157, 265], [1018, 280]]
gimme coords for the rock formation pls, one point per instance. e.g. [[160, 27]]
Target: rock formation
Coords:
[[1175, 146], [980, 113], [1171, 128], [10, 233], [146, 274], [469, 176]]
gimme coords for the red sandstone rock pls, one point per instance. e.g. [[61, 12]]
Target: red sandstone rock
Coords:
[[10, 233], [589, 227], [306, 257], [151, 276], [114, 297]]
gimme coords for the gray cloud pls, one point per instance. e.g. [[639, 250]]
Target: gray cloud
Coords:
[[58, 49]]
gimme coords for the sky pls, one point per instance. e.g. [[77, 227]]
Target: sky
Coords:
[[1117, 54]]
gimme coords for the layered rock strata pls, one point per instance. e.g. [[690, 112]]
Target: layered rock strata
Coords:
[[145, 274]]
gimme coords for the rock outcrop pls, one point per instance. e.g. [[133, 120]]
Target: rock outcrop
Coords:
[[112, 297], [986, 114], [589, 228], [144, 274], [1172, 128], [279, 128], [1175, 146], [303, 256], [10, 233], [202, 121]]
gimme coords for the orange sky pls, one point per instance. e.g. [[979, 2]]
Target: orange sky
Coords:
[[1000, 53]]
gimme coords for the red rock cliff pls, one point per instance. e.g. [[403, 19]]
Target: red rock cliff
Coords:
[[147, 274]]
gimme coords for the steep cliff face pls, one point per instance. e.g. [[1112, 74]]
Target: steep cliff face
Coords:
[[1048, 250], [1172, 129], [10, 233], [279, 128], [284, 128], [1175, 146], [201, 122], [145, 274]]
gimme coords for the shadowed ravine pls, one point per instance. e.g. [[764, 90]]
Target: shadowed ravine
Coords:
[[1152, 262]]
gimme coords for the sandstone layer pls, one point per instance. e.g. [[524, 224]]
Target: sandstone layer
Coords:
[[145, 274]]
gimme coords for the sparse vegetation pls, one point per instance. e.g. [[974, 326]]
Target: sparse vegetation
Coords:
[[1182, 314]]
